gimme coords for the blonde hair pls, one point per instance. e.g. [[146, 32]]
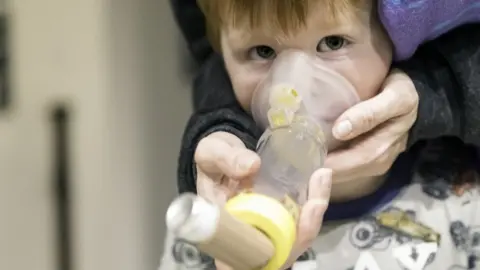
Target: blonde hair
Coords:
[[285, 16]]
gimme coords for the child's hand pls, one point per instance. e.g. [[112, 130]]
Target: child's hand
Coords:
[[223, 165], [311, 216]]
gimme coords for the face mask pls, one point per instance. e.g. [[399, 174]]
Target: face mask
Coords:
[[300, 85]]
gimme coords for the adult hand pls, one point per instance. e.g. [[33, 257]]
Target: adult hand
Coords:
[[378, 130], [223, 166], [311, 216]]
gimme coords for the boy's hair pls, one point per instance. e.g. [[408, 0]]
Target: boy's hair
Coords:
[[285, 16]]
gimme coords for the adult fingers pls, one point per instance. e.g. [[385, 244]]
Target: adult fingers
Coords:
[[364, 150], [215, 154], [398, 97], [313, 210], [369, 156], [222, 266]]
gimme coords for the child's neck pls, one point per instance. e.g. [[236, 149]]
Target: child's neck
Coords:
[[354, 189]]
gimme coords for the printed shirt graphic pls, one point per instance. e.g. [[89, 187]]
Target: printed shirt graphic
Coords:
[[426, 226]]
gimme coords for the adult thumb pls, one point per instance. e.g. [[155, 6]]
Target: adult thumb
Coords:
[[366, 115], [311, 216]]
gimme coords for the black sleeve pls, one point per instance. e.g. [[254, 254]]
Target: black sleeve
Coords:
[[218, 110], [192, 25], [446, 74]]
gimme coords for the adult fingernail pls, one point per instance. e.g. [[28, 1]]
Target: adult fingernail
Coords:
[[342, 129]]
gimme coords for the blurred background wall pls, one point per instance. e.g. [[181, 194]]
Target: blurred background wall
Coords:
[[89, 139]]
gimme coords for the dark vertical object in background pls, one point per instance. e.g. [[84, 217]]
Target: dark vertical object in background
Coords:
[[4, 76], [60, 120]]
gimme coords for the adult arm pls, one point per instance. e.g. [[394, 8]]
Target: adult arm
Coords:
[[446, 74], [191, 21]]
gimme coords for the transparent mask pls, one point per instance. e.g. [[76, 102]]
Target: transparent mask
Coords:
[[296, 104]]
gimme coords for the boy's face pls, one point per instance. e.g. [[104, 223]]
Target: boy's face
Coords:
[[356, 48]]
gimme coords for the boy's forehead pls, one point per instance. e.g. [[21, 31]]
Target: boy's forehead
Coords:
[[318, 18]]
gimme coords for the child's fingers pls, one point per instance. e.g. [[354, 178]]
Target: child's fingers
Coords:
[[210, 190], [217, 156]]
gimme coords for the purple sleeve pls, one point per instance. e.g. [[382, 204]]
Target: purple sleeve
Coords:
[[410, 23]]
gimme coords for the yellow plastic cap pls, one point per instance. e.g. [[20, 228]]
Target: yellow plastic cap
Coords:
[[269, 216]]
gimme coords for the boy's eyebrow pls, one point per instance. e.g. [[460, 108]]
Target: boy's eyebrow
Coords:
[[240, 38]]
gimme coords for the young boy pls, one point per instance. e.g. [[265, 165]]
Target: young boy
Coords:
[[398, 230]]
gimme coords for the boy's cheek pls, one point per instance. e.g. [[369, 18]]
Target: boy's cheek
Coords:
[[244, 86], [366, 81], [244, 77], [244, 97]]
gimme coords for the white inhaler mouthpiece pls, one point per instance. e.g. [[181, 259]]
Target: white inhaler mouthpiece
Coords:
[[297, 104]]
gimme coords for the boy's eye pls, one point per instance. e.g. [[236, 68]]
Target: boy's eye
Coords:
[[331, 43], [262, 53]]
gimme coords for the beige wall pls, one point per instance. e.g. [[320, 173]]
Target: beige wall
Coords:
[[117, 64]]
